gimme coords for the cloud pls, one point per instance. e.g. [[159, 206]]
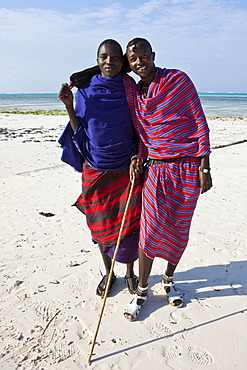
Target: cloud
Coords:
[[205, 38]]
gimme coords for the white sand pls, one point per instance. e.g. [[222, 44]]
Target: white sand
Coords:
[[50, 268]]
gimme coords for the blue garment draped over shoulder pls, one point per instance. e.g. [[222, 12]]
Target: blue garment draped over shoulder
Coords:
[[104, 136]]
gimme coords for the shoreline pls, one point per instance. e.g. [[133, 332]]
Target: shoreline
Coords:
[[57, 112], [52, 112], [34, 125]]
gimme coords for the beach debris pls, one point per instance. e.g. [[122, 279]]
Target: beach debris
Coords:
[[53, 317], [18, 282], [41, 288], [75, 264], [172, 320], [54, 282], [84, 251], [47, 214]]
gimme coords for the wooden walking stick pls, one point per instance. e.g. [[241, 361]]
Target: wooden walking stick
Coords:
[[111, 271]]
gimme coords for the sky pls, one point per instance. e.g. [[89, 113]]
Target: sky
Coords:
[[42, 42]]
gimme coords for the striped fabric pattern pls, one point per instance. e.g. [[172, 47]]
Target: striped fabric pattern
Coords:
[[170, 194], [171, 124], [170, 120], [103, 199]]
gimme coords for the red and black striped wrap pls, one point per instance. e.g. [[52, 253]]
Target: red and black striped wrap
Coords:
[[103, 199]]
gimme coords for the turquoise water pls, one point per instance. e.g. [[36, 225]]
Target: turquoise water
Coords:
[[214, 104], [30, 102], [224, 105]]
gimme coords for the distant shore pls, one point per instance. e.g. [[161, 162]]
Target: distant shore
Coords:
[[56, 112], [53, 112]]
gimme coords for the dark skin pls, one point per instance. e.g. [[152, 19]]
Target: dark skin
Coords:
[[110, 61], [141, 61]]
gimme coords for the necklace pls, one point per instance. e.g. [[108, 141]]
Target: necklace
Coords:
[[144, 90]]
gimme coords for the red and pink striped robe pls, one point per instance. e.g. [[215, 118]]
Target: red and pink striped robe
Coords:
[[170, 123]]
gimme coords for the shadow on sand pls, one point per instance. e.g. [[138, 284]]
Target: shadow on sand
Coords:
[[199, 283]]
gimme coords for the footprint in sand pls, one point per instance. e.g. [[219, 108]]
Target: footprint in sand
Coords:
[[47, 350], [94, 304], [203, 302], [199, 356], [81, 331], [80, 285], [47, 311], [13, 333], [7, 350], [177, 317], [190, 356], [63, 350], [87, 305], [171, 352], [159, 330]]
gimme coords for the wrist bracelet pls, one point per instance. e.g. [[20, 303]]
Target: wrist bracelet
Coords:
[[134, 157], [204, 170]]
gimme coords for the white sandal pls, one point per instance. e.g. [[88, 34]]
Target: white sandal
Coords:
[[133, 308], [173, 294]]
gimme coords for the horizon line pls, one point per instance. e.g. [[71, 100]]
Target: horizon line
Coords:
[[199, 92]]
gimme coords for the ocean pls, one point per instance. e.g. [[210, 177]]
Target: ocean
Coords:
[[214, 104]]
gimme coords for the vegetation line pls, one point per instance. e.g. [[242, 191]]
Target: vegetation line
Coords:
[[53, 112], [56, 112]]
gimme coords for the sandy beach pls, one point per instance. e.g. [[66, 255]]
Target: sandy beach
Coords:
[[50, 268]]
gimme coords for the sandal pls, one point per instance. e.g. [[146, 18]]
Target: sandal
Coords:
[[101, 288], [174, 297], [131, 283], [132, 310]]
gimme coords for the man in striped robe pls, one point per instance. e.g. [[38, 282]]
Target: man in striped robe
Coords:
[[174, 138]]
